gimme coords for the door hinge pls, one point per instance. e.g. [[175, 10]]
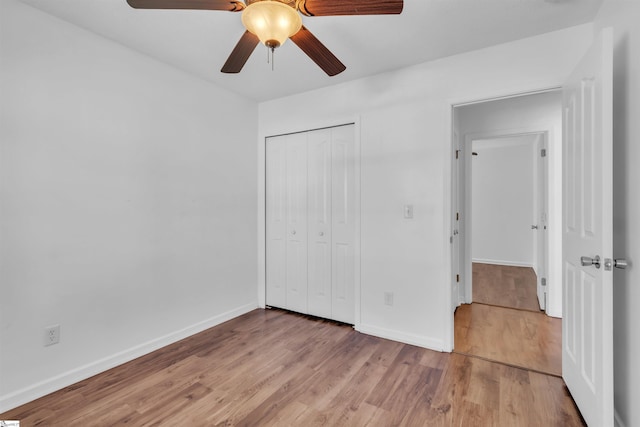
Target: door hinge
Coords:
[[457, 153], [457, 216], [543, 152], [457, 278], [543, 281]]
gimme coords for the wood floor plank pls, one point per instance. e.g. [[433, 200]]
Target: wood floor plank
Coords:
[[505, 286], [293, 414], [395, 378], [328, 383], [521, 338], [515, 395], [546, 388], [345, 407], [484, 385], [273, 368]]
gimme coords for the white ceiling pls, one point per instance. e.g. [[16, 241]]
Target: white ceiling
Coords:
[[199, 42]]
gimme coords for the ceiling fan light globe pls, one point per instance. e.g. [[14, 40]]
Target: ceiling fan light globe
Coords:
[[272, 21]]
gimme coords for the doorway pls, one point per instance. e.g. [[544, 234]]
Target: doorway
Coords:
[[506, 194], [505, 214]]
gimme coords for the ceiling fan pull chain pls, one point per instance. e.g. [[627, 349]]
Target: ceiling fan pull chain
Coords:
[[271, 56]]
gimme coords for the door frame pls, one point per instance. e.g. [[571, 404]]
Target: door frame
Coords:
[[466, 291], [554, 241]]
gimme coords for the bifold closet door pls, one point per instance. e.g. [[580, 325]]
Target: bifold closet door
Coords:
[[343, 224], [276, 221], [319, 213], [310, 222], [286, 218], [296, 213]]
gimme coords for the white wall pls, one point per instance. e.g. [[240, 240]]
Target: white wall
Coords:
[[502, 201], [624, 17], [128, 203], [405, 137], [534, 113], [118, 219]]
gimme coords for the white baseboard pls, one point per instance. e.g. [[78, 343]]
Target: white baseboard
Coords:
[[418, 340], [502, 262], [556, 314], [35, 391]]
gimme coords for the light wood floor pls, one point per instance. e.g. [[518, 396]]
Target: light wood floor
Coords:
[[517, 337], [520, 335], [270, 367], [505, 286]]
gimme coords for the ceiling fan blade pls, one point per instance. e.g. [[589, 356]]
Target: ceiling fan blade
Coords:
[[318, 52], [229, 5], [350, 7], [241, 53]]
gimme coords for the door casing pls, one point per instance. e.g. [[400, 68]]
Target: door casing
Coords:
[[554, 241]]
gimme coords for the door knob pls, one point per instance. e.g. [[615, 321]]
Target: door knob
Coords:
[[534, 227], [617, 263], [620, 263], [587, 261]]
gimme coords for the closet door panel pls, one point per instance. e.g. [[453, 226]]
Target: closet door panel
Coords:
[[343, 224], [276, 204], [319, 214], [296, 236]]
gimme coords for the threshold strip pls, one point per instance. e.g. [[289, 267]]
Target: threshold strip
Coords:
[[511, 308], [511, 365]]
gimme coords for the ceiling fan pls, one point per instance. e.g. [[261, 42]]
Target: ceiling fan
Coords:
[[272, 22]]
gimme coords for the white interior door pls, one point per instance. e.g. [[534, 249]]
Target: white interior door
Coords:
[[296, 237], [587, 327], [319, 202], [343, 200]]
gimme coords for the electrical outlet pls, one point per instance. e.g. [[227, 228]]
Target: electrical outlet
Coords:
[[51, 335], [388, 298]]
